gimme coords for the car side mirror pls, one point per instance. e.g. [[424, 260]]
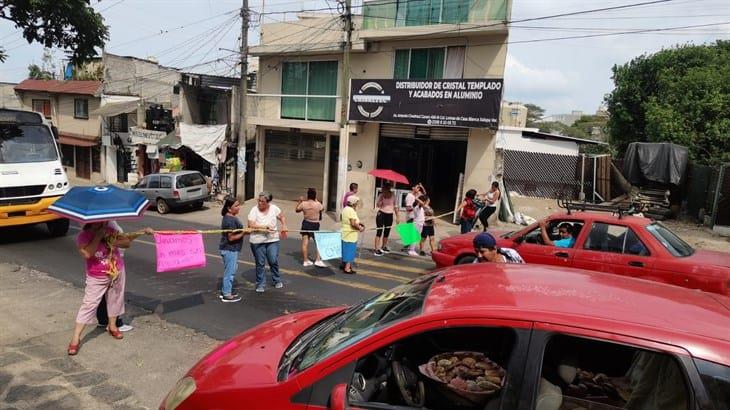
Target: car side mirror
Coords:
[[338, 397], [54, 131]]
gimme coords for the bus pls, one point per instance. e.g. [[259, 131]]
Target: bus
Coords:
[[31, 174]]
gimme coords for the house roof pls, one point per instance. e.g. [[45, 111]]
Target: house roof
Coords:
[[61, 87]]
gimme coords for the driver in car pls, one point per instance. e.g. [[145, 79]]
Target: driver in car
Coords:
[[565, 230]]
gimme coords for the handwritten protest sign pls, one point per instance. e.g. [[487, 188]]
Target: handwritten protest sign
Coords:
[[179, 251], [329, 245], [408, 233]]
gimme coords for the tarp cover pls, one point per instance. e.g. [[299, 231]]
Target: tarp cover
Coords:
[[203, 139], [661, 162]]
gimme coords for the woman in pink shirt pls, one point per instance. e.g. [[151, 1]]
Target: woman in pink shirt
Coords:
[[99, 244], [387, 208]]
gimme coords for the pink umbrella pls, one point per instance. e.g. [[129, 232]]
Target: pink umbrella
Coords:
[[389, 175]]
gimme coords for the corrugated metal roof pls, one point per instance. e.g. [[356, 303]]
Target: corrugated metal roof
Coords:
[[61, 87]]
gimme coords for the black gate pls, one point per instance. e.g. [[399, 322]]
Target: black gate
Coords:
[[543, 175], [722, 198]]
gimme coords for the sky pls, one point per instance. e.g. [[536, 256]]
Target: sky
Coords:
[[560, 76]]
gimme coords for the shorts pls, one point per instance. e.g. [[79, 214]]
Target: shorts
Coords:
[[384, 221], [427, 231], [309, 226], [348, 251]]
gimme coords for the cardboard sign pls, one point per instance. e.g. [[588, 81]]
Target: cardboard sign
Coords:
[[408, 233], [179, 251], [329, 245]]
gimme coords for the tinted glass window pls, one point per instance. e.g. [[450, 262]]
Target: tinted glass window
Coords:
[[594, 374], [716, 378], [188, 180], [26, 143], [673, 243], [154, 181], [614, 238], [165, 182]]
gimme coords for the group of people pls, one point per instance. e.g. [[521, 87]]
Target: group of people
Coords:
[[479, 207]]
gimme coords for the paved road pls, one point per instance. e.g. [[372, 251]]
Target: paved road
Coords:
[[190, 298]]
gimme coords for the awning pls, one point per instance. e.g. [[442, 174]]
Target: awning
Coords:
[[115, 105], [77, 140], [203, 139]]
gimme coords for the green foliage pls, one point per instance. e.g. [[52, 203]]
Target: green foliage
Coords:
[[67, 24], [37, 73], [679, 95], [534, 113]]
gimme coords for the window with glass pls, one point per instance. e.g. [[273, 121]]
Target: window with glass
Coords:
[[96, 158], [81, 108], [669, 240], [616, 239], [43, 107], [154, 181], [305, 79], [429, 63], [26, 143], [602, 375], [119, 123], [165, 182], [67, 155], [380, 14]]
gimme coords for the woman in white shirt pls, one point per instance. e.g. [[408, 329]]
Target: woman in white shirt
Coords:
[[265, 245]]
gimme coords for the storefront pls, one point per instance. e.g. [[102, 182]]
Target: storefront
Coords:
[[293, 162]]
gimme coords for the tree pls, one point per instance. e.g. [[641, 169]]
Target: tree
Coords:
[[679, 95], [47, 69], [67, 24], [37, 73], [534, 114]]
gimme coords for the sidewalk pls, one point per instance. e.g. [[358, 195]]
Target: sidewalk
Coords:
[[36, 317]]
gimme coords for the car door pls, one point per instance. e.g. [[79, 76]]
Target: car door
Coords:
[[530, 245], [404, 351], [613, 248], [165, 186], [584, 368], [153, 187]]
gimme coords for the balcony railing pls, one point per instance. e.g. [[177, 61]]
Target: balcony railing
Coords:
[[383, 14]]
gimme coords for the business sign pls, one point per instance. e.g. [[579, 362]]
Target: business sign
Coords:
[[147, 137], [448, 103]]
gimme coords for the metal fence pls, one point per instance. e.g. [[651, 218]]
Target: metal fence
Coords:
[[543, 175]]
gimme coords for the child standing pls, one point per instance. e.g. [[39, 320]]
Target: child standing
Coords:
[[428, 231]]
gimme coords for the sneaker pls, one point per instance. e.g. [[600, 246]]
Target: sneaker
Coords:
[[320, 264], [278, 285], [234, 294], [307, 263], [125, 328], [260, 289], [378, 252], [385, 249], [230, 298], [412, 253]]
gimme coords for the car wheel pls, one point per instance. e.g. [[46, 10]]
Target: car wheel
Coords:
[[58, 227], [162, 206], [466, 259], [198, 205]]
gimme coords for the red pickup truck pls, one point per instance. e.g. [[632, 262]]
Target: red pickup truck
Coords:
[[623, 245]]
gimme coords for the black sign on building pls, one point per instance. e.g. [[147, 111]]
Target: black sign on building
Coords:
[[472, 103]]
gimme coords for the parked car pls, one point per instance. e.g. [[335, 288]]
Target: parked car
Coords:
[[624, 245], [547, 335], [174, 190]]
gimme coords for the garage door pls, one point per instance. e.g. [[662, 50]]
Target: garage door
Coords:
[[293, 163]]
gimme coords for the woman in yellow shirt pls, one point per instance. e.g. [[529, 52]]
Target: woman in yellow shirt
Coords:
[[350, 227]]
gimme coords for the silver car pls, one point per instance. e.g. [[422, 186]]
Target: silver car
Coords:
[[174, 189]]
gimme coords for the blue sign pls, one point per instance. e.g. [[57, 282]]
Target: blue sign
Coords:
[[329, 245]]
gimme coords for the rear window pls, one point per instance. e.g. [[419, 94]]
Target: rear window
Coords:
[[188, 180], [716, 379]]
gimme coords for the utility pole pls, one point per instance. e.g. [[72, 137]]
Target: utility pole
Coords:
[[344, 145], [239, 187]]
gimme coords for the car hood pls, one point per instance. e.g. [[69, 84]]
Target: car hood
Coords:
[[252, 358], [706, 257]]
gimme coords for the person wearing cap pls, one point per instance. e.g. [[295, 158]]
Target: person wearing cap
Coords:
[[486, 249], [350, 227]]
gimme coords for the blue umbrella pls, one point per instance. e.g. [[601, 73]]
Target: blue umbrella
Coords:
[[87, 204]]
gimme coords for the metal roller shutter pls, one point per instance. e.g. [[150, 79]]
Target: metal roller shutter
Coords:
[[293, 163], [434, 133]]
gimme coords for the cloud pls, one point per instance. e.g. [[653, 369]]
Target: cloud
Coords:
[[520, 78]]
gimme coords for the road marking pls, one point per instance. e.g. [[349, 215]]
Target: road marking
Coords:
[[341, 282], [410, 269]]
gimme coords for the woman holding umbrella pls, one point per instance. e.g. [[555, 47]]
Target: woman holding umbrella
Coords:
[[99, 244]]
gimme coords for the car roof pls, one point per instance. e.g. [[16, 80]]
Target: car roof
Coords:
[[603, 216], [554, 292], [176, 173]]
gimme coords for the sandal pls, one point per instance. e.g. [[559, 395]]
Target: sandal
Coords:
[[73, 349], [350, 272], [115, 333]]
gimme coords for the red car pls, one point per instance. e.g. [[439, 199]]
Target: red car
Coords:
[[503, 336], [625, 245]]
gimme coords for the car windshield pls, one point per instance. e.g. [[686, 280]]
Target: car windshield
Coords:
[[673, 243], [26, 143], [356, 323]]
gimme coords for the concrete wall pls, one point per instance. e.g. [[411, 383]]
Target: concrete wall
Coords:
[[8, 98], [480, 157], [363, 147], [141, 78], [513, 115], [62, 112]]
